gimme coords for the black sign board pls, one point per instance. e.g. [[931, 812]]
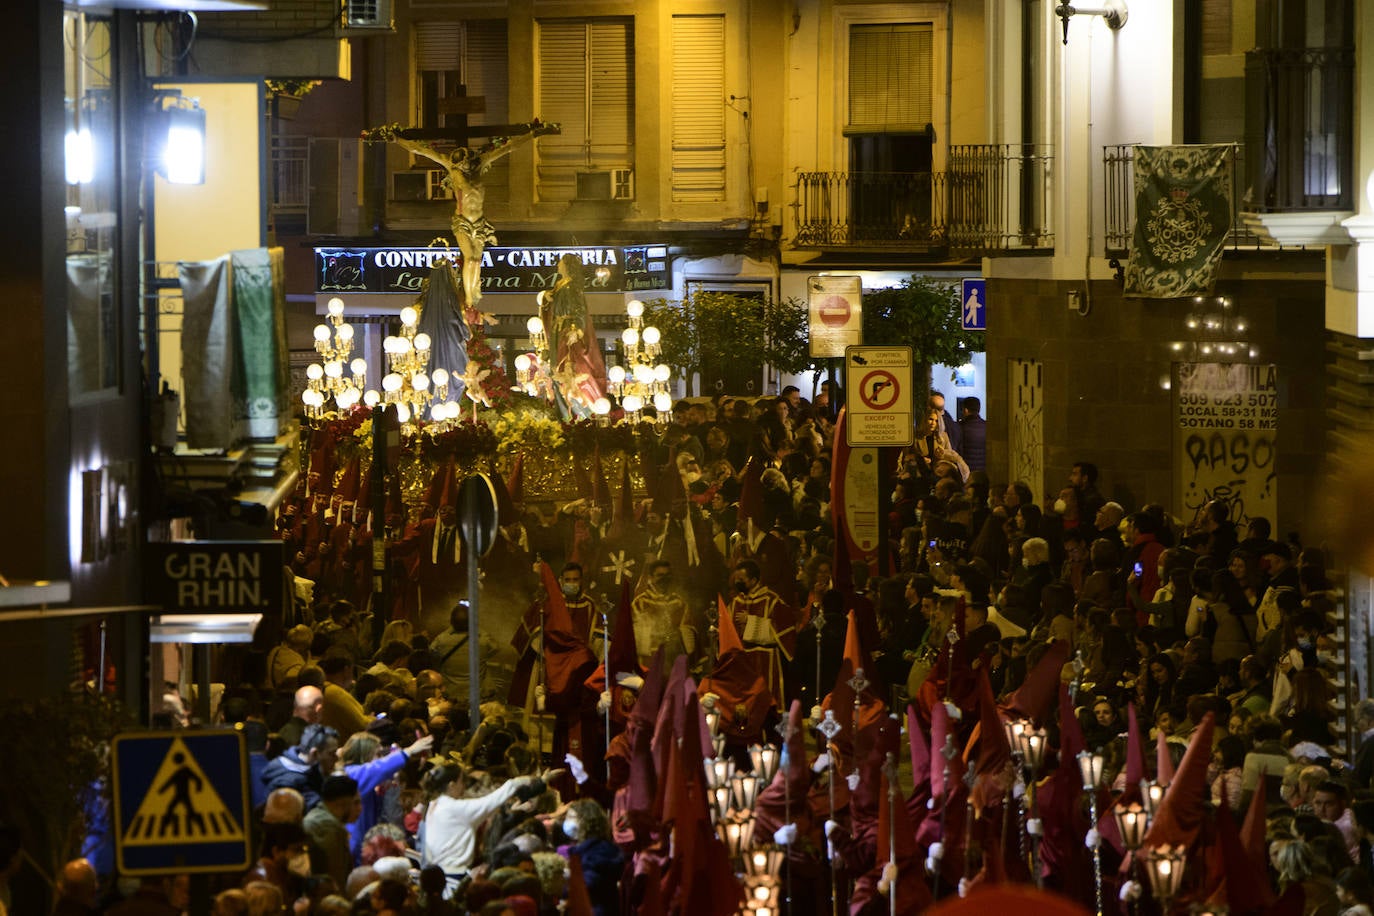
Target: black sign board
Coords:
[[216, 577], [609, 269]]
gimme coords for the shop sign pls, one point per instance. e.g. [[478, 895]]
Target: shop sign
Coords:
[[608, 269]]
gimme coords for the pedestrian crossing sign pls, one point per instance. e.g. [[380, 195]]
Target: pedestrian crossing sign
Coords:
[[181, 802]]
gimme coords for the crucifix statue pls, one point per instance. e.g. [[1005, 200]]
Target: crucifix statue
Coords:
[[466, 167]]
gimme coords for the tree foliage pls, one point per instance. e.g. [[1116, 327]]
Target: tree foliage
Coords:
[[712, 329], [47, 784], [921, 313]]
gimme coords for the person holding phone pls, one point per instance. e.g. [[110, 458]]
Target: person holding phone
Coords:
[[1143, 557]]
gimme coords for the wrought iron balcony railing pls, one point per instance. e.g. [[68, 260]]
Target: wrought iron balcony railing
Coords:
[[993, 198], [1299, 127], [871, 209], [1118, 168], [290, 174]]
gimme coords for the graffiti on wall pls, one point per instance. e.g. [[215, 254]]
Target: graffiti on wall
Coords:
[[1025, 437], [1227, 419]]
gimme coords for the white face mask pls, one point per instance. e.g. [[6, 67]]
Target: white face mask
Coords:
[[572, 829], [299, 864], [570, 590]]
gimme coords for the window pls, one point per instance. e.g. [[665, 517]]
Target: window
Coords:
[[698, 158], [461, 79], [889, 129], [586, 84]]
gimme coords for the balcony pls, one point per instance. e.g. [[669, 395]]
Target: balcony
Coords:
[[290, 177], [1118, 167], [1299, 123], [993, 199]]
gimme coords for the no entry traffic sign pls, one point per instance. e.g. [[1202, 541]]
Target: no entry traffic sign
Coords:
[[878, 396]]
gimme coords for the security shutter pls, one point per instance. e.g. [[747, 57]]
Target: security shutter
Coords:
[[698, 156], [485, 69], [586, 84], [889, 77]]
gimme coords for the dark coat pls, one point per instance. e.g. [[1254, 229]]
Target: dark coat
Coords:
[[973, 442]]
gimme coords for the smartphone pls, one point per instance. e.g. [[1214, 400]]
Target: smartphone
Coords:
[[1139, 570], [930, 543]]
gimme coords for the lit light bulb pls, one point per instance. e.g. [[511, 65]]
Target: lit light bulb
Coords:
[[651, 336], [663, 402], [402, 413], [322, 333], [359, 366], [333, 369], [644, 373], [419, 381], [409, 316], [391, 383], [601, 407], [634, 308], [535, 325], [522, 363], [371, 398], [314, 372], [439, 377], [630, 336], [422, 342], [662, 373], [336, 306], [615, 374], [633, 403]]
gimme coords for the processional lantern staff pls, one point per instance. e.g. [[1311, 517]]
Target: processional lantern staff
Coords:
[[467, 167]]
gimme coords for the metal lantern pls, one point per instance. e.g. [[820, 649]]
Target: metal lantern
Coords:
[[1033, 747], [713, 722], [764, 863], [1164, 866], [718, 772], [1151, 794], [746, 790], [765, 760], [720, 798], [737, 834], [1090, 767], [1132, 822]]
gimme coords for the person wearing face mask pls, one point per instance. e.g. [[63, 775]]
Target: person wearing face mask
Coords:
[[588, 829], [766, 624], [285, 859], [660, 617]]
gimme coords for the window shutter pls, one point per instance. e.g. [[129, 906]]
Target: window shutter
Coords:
[[586, 84], [889, 77], [698, 156], [438, 45], [485, 70]]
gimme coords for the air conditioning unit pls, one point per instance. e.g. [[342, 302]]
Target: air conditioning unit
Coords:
[[415, 185], [336, 203], [367, 16], [606, 184]]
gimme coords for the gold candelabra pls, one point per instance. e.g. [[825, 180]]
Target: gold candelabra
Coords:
[[411, 384]]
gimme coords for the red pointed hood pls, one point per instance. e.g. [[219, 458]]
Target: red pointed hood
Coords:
[[347, 488], [1034, 699], [568, 661], [743, 691], [920, 750], [1242, 883], [1252, 833], [623, 653], [994, 754], [872, 709], [1183, 808], [913, 895], [362, 506], [1071, 740], [751, 499], [395, 503], [1135, 750], [1164, 762]]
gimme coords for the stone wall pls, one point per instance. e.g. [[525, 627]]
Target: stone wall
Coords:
[[1105, 376]]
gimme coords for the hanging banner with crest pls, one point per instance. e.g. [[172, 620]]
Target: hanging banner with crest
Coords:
[[1182, 216]]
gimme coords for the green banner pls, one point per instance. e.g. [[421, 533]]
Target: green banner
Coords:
[[1182, 216]]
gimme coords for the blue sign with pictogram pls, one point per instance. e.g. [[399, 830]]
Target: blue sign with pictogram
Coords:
[[974, 315], [181, 802]]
